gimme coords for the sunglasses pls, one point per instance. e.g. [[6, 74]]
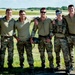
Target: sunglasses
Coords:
[[43, 12], [22, 14]]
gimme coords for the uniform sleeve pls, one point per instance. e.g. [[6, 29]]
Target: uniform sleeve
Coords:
[[54, 26], [31, 19], [65, 27], [35, 27], [51, 29], [14, 30]]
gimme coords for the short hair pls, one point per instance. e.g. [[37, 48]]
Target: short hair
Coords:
[[21, 11], [8, 9], [71, 5], [42, 9], [58, 11]]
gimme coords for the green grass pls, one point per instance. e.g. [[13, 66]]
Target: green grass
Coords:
[[29, 12]]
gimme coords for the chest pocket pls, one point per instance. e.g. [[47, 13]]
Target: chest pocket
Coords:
[[59, 27]]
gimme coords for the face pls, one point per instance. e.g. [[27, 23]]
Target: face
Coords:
[[22, 15], [59, 15], [9, 14], [71, 10], [43, 13]]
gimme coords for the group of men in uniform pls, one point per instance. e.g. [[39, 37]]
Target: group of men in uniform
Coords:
[[62, 28]]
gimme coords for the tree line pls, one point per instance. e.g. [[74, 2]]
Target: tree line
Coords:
[[38, 8], [49, 8]]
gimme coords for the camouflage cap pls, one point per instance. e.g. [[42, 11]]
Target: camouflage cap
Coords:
[[58, 12]]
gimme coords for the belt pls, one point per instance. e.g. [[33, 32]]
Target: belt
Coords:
[[60, 37], [71, 34], [47, 36]]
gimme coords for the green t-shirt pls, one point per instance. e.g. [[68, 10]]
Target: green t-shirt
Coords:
[[23, 29], [71, 24], [7, 27], [44, 27]]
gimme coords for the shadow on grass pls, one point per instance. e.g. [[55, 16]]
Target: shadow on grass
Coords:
[[26, 71]]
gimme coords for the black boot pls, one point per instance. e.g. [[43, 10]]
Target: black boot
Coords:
[[22, 65], [52, 70], [1, 69], [42, 65], [10, 66], [57, 67], [67, 72], [71, 67], [32, 69]]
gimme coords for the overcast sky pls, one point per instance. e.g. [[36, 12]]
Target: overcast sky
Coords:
[[34, 3]]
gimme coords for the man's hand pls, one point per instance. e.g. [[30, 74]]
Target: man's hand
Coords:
[[53, 22], [31, 40], [17, 39], [35, 22], [48, 40]]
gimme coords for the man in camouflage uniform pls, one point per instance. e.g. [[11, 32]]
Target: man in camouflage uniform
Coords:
[[7, 25], [23, 39], [70, 18], [60, 41], [44, 27]]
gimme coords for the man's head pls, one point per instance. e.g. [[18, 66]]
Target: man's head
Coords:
[[71, 9], [22, 14], [58, 12], [43, 12], [8, 13]]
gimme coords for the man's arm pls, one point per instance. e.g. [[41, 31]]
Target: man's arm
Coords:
[[65, 28], [14, 29], [35, 27], [51, 30]]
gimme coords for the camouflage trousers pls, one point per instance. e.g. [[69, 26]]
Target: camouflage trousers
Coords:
[[42, 46], [6, 42], [0, 43], [61, 43], [71, 41], [27, 45]]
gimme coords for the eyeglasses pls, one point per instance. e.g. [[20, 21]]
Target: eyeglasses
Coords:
[[43, 12]]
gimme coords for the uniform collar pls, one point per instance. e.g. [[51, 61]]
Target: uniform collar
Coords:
[[69, 15], [44, 19], [4, 18], [20, 20]]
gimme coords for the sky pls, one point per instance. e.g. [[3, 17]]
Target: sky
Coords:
[[34, 3]]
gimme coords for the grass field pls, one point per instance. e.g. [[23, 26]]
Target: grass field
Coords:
[[36, 56], [35, 12]]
